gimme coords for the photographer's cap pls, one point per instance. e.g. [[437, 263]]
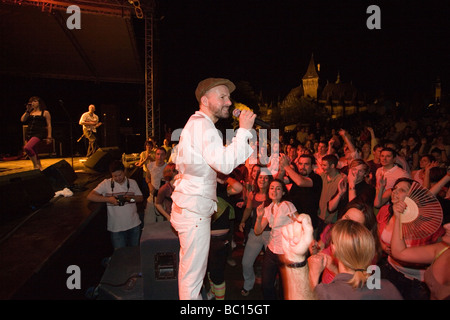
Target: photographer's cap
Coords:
[[209, 83]]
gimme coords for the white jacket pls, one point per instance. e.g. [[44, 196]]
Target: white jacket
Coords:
[[201, 154]]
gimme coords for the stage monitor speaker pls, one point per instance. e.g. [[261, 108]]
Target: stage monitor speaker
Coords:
[[159, 261], [60, 175], [99, 161], [22, 193], [121, 280], [14, 199], [114, 151], [102, 158]]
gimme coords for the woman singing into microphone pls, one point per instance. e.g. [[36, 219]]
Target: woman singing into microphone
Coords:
[[38, 120]]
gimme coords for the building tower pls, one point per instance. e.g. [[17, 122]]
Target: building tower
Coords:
[[311, 80]]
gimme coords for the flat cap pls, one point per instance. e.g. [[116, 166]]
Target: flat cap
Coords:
[[204, 85]]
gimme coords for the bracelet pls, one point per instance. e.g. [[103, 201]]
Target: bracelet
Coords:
[[297, 264]]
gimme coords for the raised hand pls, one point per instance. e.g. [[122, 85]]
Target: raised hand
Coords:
[[297, 237], [382, 182], [342, 186], [317, 264], [399, 207], [431, 164]]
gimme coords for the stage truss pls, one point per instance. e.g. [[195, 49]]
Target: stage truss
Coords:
[[124, 9]]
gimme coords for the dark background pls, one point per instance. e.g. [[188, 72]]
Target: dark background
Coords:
[[267, 44]]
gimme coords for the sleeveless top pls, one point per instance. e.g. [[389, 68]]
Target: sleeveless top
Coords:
[[438, 291], [37, 126]]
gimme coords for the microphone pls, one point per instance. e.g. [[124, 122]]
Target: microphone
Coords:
[[258, 121]]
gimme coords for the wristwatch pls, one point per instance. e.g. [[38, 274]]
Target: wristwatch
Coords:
[[297, 264]]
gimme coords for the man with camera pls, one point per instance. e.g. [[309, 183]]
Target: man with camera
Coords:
[[121, 195]]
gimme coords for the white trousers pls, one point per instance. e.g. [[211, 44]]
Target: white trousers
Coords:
[[194, 233]]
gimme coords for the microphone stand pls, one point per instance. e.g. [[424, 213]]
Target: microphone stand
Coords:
[[61, 103]]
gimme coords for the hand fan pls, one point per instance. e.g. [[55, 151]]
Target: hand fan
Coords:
[[423, 215]]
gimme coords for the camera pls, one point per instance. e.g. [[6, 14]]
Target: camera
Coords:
[[121, 200]]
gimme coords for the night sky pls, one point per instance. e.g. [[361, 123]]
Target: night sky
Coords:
[[267, 44]]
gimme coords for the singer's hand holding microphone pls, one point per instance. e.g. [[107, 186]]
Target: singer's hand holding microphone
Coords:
[[28, 107], [238, 113], [246, 118]]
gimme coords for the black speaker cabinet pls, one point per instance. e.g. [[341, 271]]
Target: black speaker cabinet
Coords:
[[60, 175], [102, 158], [22, 193], [122, 280], [113, 151], [99, 161], [159, 261]]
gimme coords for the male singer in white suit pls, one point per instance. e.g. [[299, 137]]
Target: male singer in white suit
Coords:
[[201, 154]]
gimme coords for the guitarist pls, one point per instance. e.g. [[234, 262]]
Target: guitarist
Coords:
[[90, 122]]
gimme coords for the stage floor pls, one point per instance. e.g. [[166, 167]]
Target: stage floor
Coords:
[[28, 241], [37, 250], [15, 166]]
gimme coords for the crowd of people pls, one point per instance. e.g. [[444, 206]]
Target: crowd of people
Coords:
[[334, 174], [336, 177], [364, 177], [368, 185], [321, 204]]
